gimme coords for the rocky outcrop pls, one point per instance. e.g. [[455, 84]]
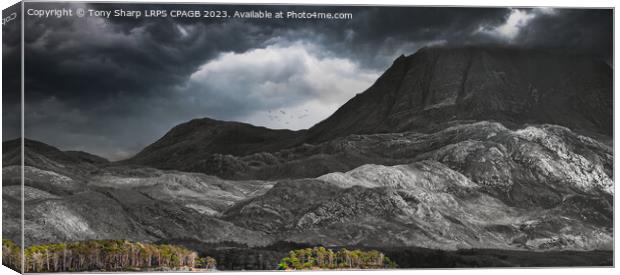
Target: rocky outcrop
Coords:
[[420, 204]]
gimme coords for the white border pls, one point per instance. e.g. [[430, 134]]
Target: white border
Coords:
[[484, 3]]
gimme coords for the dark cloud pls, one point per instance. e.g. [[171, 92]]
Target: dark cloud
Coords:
[[113, 86], [11, 72], [590, 31]]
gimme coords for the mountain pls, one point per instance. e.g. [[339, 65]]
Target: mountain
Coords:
[[49, 174], [472, 185], [423, 204], [428, 91], [77, 196], [452, 148], [42, 155], [188, 143], [478, 185], [474, 140], [513, 86], [45, 164]]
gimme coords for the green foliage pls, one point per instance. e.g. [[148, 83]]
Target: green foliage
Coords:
[[283, 266], [11, 255], [322, 258], [103, 255], [205, 263]]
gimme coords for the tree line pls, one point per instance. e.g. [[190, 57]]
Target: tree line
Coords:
[[11, 255], [323, 258], [105, 255]]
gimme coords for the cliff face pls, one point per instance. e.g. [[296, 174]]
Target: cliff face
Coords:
[[512, 86]]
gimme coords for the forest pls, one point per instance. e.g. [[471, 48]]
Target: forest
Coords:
[[120, 255], [104, 255], [323, 258], [11, 255]]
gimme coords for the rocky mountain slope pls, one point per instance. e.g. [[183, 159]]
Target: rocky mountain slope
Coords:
[[119, 202], [493, 188], [450, 148], [191, 142], [472, 185], [46, 157], [424, 92], [509, 85]]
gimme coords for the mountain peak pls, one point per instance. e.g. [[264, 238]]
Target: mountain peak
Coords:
[[190, 141], [43, 156], [516, 86], [425, 92]]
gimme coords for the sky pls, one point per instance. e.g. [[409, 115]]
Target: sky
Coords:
[[113, 86]]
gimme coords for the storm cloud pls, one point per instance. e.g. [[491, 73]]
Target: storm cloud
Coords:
[[113, 86]]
